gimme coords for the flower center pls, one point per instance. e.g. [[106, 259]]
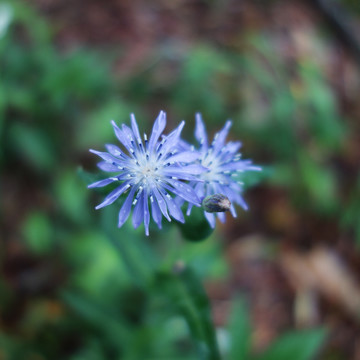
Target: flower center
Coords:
[[211, 162], [148, 171]]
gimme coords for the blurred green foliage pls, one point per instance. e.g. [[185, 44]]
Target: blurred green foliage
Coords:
[[97, 292]]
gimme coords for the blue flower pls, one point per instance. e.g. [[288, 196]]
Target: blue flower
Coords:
[[149, 170], [223, 163]]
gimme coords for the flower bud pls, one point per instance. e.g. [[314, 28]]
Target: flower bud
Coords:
[[216, 203]]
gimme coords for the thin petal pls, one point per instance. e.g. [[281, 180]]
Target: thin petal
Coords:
[[105, 166], [236, 166], [231, 147], [188, 211], [157, 130], [162, 205], [194, 169], [200, 131], [174, 210], [114, 150], [102, 183], [106, 156], [181, 175], [135, 130], [114, 195], [184, 156], [182, 145], [122, 137], [243, 204], [126, 208], [138, 213], [146, 213], [155, 211], [221, 216], [200, 192], [233, 211], [170, 142], [220, 137], [131, 140], [184, 172], [210, 218], [183, 190]]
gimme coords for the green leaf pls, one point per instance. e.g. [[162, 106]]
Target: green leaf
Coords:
[[37, 231], [189, 298], [240, 330], [72, 196], [100, 316], [204, 257], [351, 213], [97, 129], [320, 183], [95, 264], [33, 146], [296, 345]]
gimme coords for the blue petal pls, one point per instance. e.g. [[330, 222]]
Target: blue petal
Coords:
[[180, 175], [146, 213], [235, 187], [183, 145], [233, 211], [231, 147], [138, 213], [235, 166], [183, 190], [221, 216], [114, 195], [162, 205], [184, 172], [174, 210], [135, 129], [254, 168], [126, 208], [102, 183], [130, 136], [194, 169], [170, 142], [157, 130], [122, 137], [114, 150], [220, 137], [200, 131], [210, 218], [185, 156], [243, 204], [156, 212], [105, 166], [106, 156], [200, 192]]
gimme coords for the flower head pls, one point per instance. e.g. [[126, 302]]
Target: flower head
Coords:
[[223, 163], [147, 171]]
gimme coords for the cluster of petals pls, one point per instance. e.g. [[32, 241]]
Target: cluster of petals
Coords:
[[223, 165], [157, 175]]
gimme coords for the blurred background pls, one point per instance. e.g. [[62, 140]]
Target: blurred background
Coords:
[[283, 279]]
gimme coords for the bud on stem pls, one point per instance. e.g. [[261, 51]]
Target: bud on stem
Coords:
[[216, 203]]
